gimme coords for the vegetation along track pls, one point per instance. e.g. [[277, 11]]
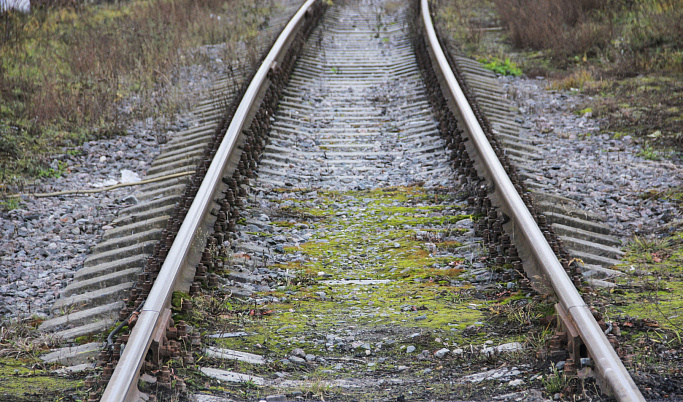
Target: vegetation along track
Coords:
[[354, 237]]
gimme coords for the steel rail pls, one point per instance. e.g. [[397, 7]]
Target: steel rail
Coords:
[[123, 384], [608, 365]]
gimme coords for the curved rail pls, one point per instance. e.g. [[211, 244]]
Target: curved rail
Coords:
[[123, 384], [609, 366]]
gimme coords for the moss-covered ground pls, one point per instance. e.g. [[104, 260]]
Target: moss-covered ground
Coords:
[[26, 379], [387, 278], [648, 308], [24, 376]]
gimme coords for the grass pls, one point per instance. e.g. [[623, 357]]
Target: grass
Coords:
[[652, 244], [502, 66], [20, 339], [626, 55], [649, 152], [646, 306], [617, 37], [555, 382], [576, 80], [466, 22], [71, 72], [648, 107], [9, 204], [633, 36]]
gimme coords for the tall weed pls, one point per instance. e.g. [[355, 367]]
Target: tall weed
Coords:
[[563, 26]]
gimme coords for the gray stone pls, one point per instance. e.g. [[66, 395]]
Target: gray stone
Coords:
[[297, 360], [441, 353], [229, 376], [130, 199], [298, 352]]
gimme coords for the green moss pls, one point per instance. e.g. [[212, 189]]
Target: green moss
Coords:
[[363, 243], [583, 111], [178, 297], [647, 303], [501, 66], [82, 340], [393, 234], [20, 381]]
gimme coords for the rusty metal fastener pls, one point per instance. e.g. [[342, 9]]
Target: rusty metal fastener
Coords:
[[186, 306], [196, 341], [180, 386], [90, 381], [188, 358], [194, 288]]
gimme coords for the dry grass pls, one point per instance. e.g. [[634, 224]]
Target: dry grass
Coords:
[[563, 26], [466, 22], [632, 36], [20, 338], [70, 72], [576, 80]]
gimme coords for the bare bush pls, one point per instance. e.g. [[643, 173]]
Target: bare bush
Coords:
[[635, 35], [563, 26], [71, 70]]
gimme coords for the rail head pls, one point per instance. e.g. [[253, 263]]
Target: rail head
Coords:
[[123, 384], [608, 365]]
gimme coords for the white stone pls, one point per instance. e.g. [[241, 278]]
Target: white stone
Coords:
[[75, 369], [510, 347], [229, 335], [504, 348], [209, 398], [20, 5], [500, 373], [228, 354], [128, 176], [106, 183], [229, 376], [148, 378]]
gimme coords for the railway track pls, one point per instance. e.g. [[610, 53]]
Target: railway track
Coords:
[[332, 235]]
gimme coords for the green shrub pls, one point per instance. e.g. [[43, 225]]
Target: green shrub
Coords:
[[502, 67]]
